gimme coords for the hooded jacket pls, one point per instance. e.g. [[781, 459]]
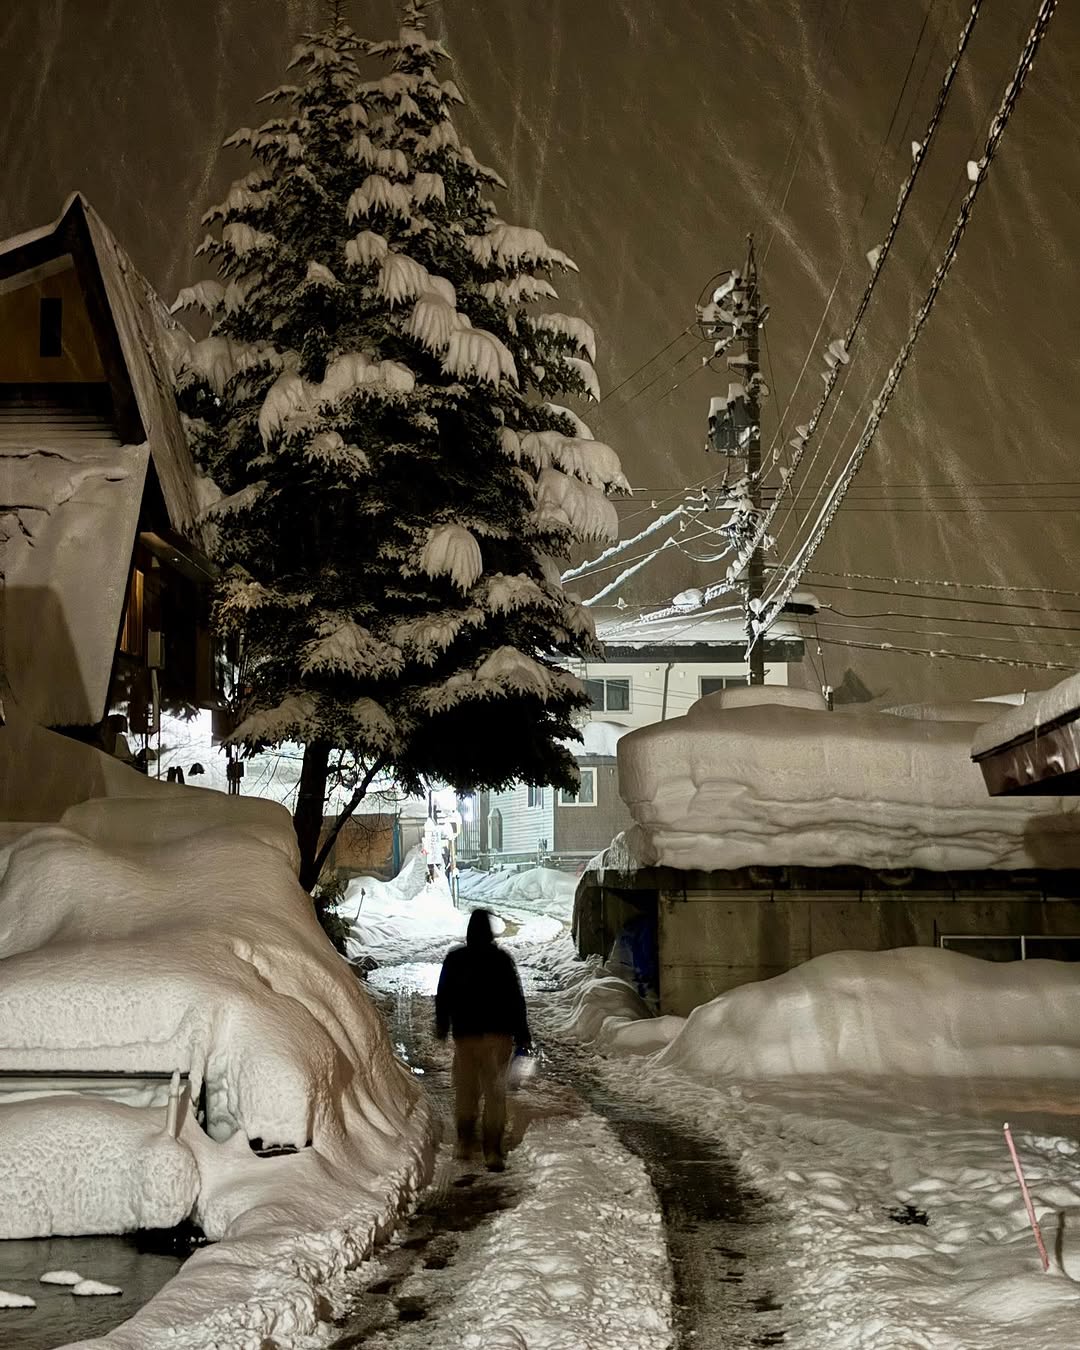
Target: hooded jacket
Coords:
[[479, 991]]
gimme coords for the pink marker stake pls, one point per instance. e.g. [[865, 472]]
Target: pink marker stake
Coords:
[[1027, 1198]]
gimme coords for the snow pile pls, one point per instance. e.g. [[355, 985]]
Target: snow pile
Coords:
[[911, 1011], [415, 920], [73, 1166], [65, 772], [750, 777], [147, 935], [408, 918], [864, 1094], [537, 890]]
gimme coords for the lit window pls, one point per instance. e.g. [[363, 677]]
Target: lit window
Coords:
[[585, 795], [132, 635]]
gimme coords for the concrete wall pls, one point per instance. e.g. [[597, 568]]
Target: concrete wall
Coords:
[[717, 930], [713, 941]]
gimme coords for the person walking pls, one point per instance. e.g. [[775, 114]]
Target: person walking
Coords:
[[479, 1000]]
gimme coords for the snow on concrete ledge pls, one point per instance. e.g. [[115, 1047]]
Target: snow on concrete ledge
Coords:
[[769, 777], [172, 934]]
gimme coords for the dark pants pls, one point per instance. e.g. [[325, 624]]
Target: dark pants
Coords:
[[480, 1069]]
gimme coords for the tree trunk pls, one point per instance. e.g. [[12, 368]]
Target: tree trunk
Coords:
[[308, 817]]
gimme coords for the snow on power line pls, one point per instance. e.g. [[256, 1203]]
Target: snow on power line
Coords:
[[838, 351], [794, 570]]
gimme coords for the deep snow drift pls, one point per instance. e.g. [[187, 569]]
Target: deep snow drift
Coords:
[[172, 934], [769, 777]]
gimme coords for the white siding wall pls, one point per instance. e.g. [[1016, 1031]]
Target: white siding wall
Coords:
[[684, 685], [524, 825]]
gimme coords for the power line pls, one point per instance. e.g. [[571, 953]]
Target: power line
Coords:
[[957, 600], [881, 403], [655, 357], [889, 648], [879, 259], [952, 585], [1024, 625], [937, 632]]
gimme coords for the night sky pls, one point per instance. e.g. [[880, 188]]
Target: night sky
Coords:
[[646, 140]]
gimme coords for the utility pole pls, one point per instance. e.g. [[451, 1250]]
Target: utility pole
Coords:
[[735, 314], [755, 569]]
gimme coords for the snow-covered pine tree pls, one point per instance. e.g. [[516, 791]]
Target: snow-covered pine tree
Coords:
[[378, 401]]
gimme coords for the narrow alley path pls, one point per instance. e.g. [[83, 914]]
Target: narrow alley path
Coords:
[[714, 1224], [714, 1227]]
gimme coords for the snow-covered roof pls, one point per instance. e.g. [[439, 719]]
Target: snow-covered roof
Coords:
[[686, 630], [134, 322], [71, 485], [1035, 746], [1060, 703], [67, 527], [758, 777], [600, 738]]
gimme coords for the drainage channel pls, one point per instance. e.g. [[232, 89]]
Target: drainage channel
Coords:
[[717, 1228], [139, 1264]]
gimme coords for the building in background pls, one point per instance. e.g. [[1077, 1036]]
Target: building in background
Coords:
[[651, 672]]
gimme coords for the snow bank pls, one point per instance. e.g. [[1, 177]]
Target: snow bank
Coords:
[[73, 1166], [736, 784], [917, 1011], [140, 935], [540, 890], [408, 918]]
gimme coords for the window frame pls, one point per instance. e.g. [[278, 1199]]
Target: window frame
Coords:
[[590, 771], [604, 681], [534, 798], [729, 682]]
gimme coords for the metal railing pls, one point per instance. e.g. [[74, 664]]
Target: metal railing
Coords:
[[1014, 946]]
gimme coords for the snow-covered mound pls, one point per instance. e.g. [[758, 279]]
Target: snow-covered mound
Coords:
[[914, 1011], [75, 1166], [406, 919], [539, 890], [141, 935], [64, 772], [773, 783]]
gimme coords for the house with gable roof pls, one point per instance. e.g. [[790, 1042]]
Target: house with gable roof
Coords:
[[104, 601]]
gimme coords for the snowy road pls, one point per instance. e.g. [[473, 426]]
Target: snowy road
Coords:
[[715, 1226], [503, 1256]]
